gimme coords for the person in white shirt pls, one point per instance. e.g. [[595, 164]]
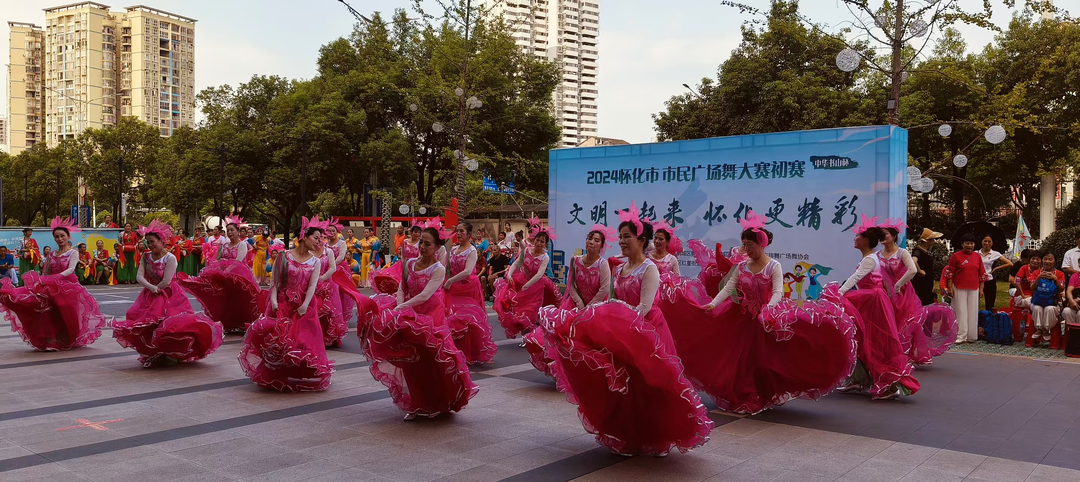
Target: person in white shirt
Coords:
[[1070, 264]]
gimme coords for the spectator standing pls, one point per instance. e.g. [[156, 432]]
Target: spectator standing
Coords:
[[965, 276], [923, 282], [989, 259]]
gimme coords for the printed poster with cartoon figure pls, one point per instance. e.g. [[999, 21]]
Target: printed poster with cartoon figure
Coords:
[[811, 186]]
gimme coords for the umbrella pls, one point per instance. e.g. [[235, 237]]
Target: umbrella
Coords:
[[980, 229]]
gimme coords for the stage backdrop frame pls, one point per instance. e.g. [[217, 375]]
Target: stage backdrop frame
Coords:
[[705, 185]]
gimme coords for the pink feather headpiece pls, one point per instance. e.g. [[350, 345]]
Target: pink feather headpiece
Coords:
[[867, 223], [312, 222], [756, 224], [234, 219], [437, 223], [162, 230], [336, 223], [67, 223], [897, 224], [633, 215], [674, 245], [538, 228], [609, 234]]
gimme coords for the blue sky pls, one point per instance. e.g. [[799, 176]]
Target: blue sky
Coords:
[[648, 49]]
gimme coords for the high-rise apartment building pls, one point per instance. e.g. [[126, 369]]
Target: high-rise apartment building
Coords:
[[3, 134], [97, 65], [565, 32], [25, 86]]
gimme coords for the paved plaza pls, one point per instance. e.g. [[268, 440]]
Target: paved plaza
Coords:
[[95, 414]]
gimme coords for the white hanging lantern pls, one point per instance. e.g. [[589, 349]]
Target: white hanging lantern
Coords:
[[471, 164], [995, 134], [422, 210], [403, 209], [913, 176], [927, 185], [459, 91], [960, 160], [414, 107], [918, 28], [437, 127], [848, 60], [945, 130]]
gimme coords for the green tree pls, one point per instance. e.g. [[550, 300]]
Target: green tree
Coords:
[[778, 79], [131, 144], [39, 183]]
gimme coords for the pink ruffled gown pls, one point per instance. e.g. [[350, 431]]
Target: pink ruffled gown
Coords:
[[880, 351], [750, 356], [587, 282], [163, 325], [226, 289], [345, 299], [331, 319], [385, 281], [412, 351], [284, 350], [621, 370], [519, 310], [925, 331], [52, 312], [466, 314]]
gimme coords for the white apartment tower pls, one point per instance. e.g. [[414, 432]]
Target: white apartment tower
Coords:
[[565, 32], [89, 66]]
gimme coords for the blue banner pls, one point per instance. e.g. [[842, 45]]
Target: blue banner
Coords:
[[12, 238], [811, 186]]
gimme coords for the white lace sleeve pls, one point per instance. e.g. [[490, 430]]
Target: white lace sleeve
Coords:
[[470, 266], [777, 283], [674, 264], [312, 284], [605, 282], [912, 270], [516, 265], [865, 267], [539, 273], [140, 276], [430, 288], [344, 252], [170, 271], [728, 289], [73, 263], [241, 251], [571, 281], [329, 269], [650, 282]]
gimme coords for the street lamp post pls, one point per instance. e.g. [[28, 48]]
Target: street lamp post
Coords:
[[26, 198], [303, 173], [221, 183], [120, 189]]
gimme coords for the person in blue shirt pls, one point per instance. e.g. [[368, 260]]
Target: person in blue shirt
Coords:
[[7, 266]]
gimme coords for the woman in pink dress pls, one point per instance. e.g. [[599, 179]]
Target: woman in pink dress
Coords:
[[751, 349], [409, 345], [283, 350], [665, 252], [52, 311], [588, 283], [884, 368], [385, 281], [526, 288], [466, 314], [616, 361], [226, 288], [339, 250], [160, 325], [925, 331], [331, 317]]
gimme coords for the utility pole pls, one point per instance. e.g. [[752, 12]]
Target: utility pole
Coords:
[[221, 183], [303, 174], [459, 182], [897, 64]]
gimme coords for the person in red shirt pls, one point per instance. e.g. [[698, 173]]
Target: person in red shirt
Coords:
[[1047, 289], [965, 274], [1027, 274]]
